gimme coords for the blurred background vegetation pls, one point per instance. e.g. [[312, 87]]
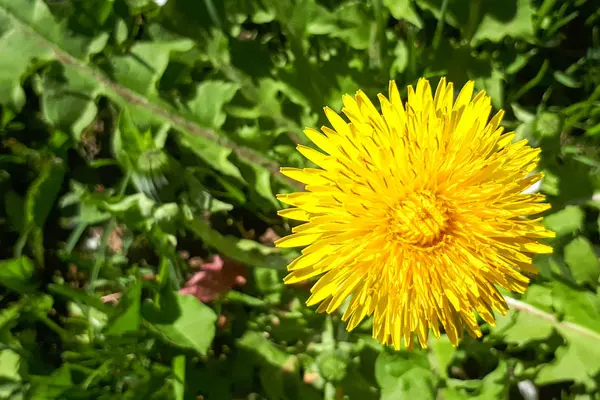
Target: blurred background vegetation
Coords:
[[139, 148]]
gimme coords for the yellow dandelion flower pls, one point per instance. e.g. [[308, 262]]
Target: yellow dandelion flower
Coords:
[[417, 213]]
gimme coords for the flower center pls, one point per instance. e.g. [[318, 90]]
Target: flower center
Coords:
[[420, 219]]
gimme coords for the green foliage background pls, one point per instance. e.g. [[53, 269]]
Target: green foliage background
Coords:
[[136, 138]]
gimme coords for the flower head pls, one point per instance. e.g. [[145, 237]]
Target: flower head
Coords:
[[416, 213]]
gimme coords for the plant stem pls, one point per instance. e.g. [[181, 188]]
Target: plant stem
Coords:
[[528, 308]]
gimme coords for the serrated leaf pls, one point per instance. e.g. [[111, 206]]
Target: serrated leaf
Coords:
[[319, 20], [578, 360], [355, 25], [582, 261], [214, 155], [182, 321], [505, 19], [578, 306], [519, 328], [207, 104], [16, 18], [405, 375], [441, 354], [141, 69], [566, 221], [69, 103], [68, 94]]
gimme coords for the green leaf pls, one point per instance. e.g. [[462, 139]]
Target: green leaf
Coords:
[[441, 355], [39, 201], [405, 375], [68, 103], [79, 296], [582, 261], [519, 328], [207, 104], [16, 274], [88, 204], [578, 360], [522, 114], [128, 142], [486, 20], [214, 155], [566, 221], [127, 318], [267, 280], [10, 363], [355, 25], [201, 198], [259, 180], [274, 363], [501, 19], [42, 193], [577, 306], [179, 377], [15, 210], [68, 94], [495, 384], [10, 314], [134, 210], [401, 58], [566, 79], [16, 19], [39, 304], [319, 20], [234, 296], [404, 10], [241, 250], [167, 217], [268, 354], [182, 321], [141, 69], [53, 386]]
